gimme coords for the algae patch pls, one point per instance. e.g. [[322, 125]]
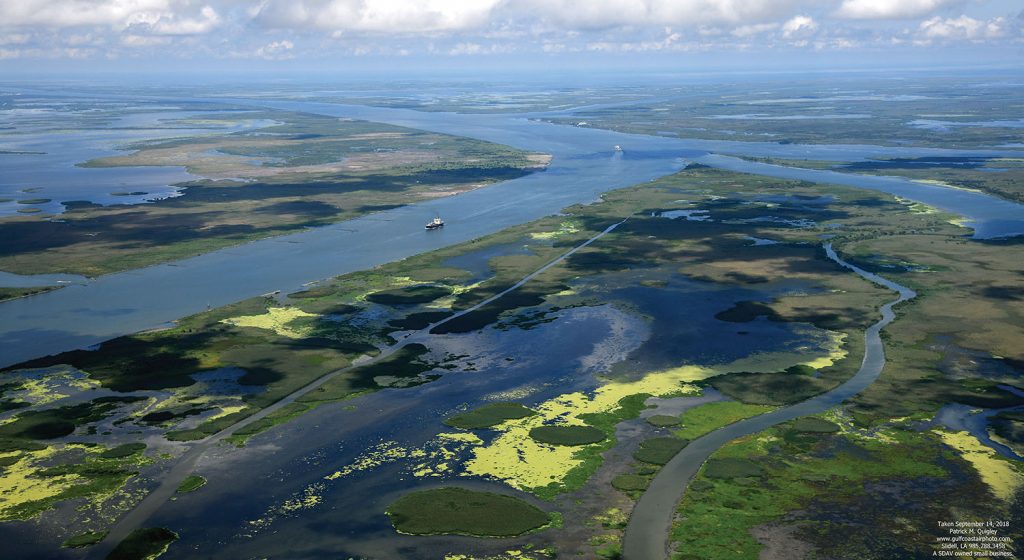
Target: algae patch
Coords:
[[567, 227], [1003, 477], [507, 555], [22, 485], [276, 319], [524, 463], [45, 385], [380, 454]]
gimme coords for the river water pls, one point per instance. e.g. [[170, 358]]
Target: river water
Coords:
[[584, 165]]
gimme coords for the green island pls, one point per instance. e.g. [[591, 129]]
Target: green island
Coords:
[[662, 420], [457, 511], [567, 435], [191, 483], [658, 450], [143, 544], [489, 415], [85, 539]]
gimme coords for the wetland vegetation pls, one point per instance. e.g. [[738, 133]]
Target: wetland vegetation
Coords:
[[845, 111], [747, 495], [446, 511], [192, 483], [489, 415], [567, 435], [957, 343], [1000, 176], [300, 171]]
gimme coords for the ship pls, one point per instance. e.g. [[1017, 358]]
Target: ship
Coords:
[[436, 223], [618, 148]]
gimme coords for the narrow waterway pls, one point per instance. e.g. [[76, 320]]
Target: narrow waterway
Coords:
[[647, 534]]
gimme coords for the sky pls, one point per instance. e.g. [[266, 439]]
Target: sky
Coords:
[[98, 36]]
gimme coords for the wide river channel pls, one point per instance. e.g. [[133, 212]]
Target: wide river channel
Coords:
[[584, 165]]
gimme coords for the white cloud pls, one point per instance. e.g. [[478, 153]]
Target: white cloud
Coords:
[[71, 13], [467, 48], [143, 40], [277, 50], [798, 25], [844, 43], [14, 38], [889, 9], [87, 39], [207, 21], [599, 14], [670, 42], [482, 48], [381, 16], [751, 30], [440, 16], [962, 28], [237, 28], [137, 17]]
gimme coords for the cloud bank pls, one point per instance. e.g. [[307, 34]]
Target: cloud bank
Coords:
[[285, 29]]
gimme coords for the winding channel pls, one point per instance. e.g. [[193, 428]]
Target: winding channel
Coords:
[[647, 534]]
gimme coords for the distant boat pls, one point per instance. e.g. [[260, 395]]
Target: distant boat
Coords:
[[436, 223], [618, 148]]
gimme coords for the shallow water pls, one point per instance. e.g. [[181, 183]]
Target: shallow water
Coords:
[[477, 262], [546, 361], [55, 142]]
